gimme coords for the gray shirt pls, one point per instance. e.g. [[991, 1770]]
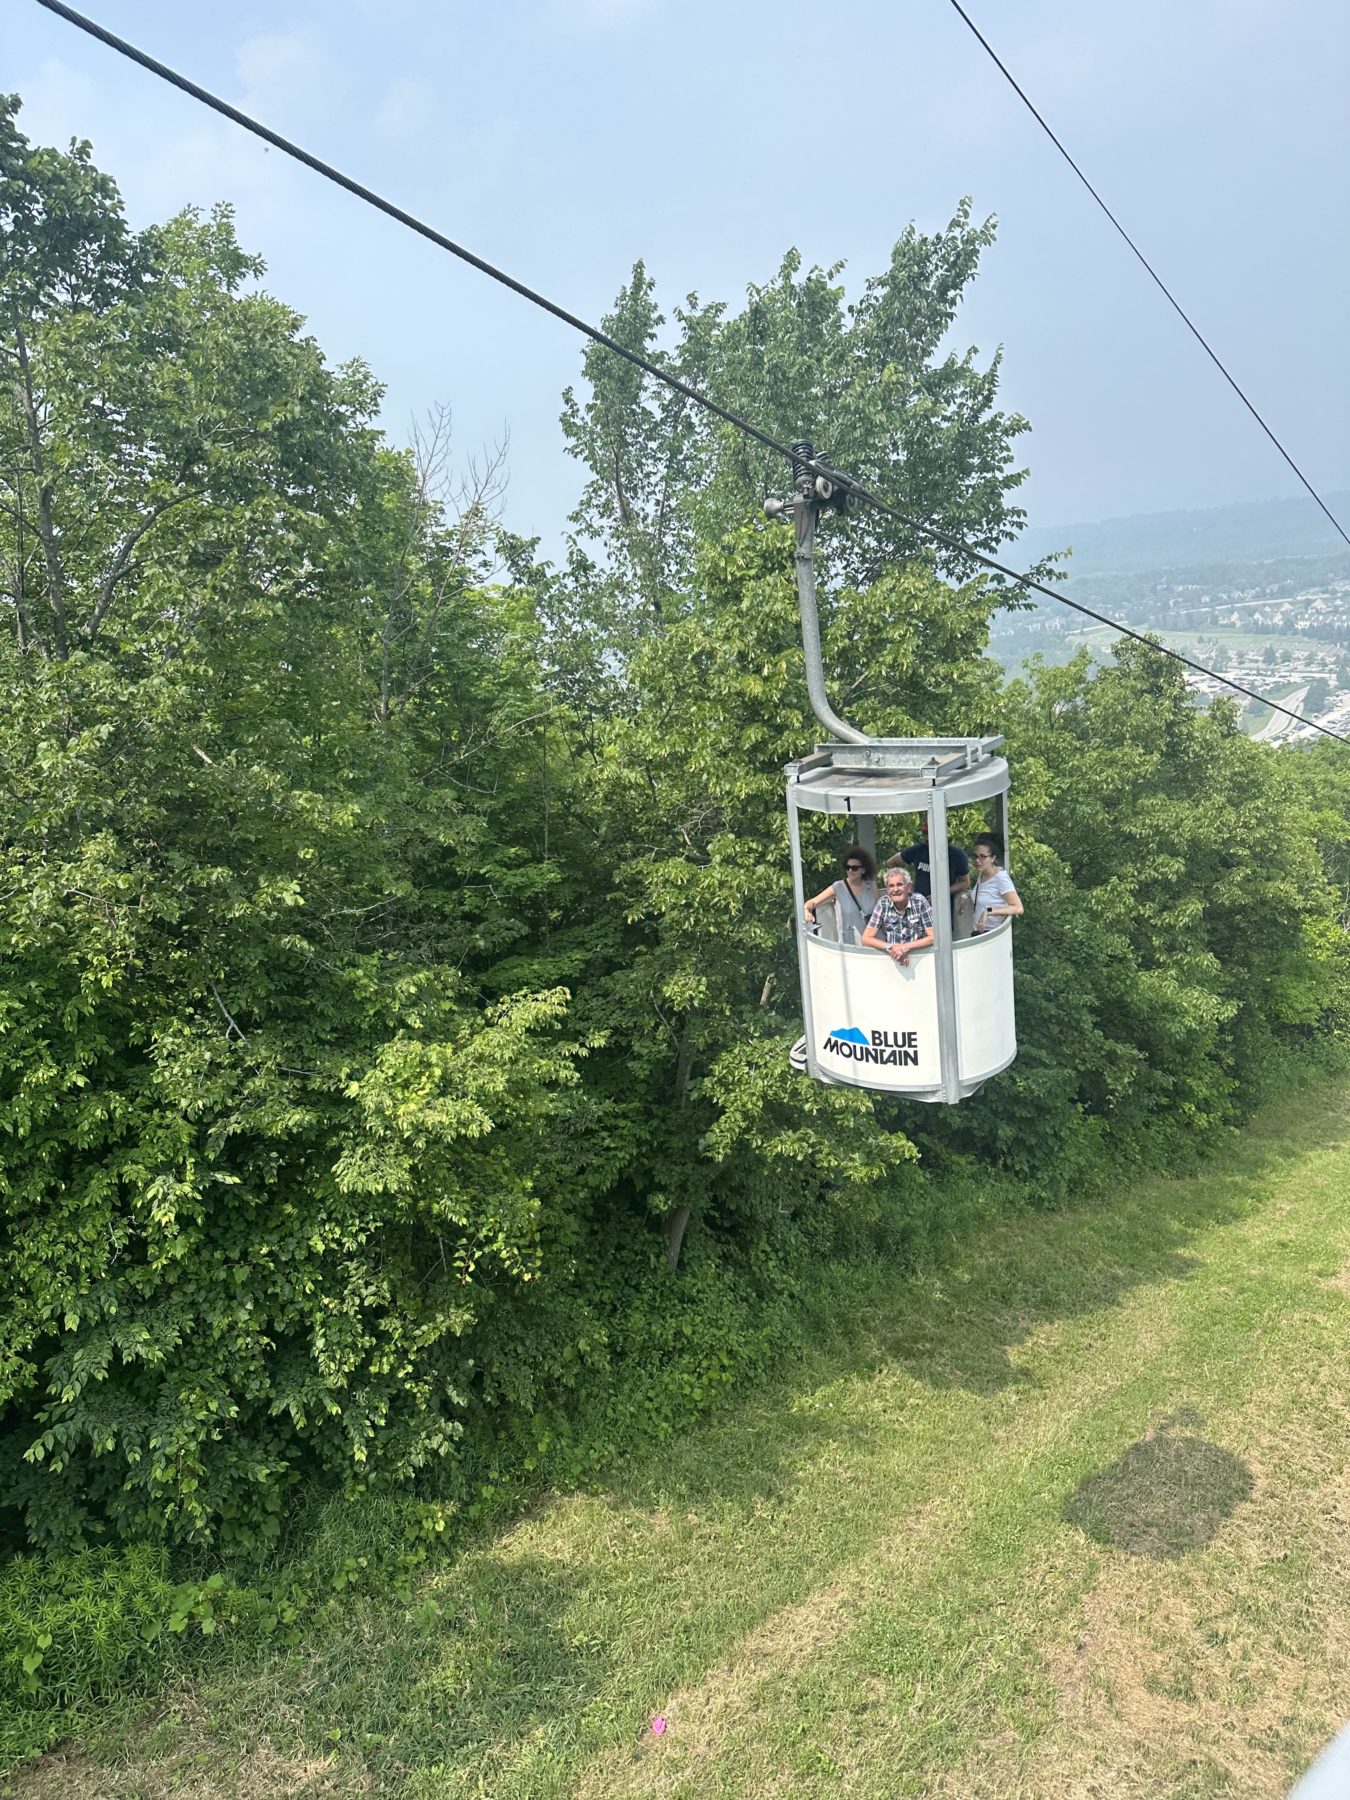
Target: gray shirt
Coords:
[[852, 911]]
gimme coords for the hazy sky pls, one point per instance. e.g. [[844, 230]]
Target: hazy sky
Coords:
[[565, 138]]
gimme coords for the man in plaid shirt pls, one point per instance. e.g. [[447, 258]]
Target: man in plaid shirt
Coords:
[[902, 920]]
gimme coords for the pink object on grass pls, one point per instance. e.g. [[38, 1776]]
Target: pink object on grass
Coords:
[[658, 1725]]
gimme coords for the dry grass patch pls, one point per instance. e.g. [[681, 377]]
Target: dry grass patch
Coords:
[[1213, 1678], [197, 1766], [730, 1700], [1161, 1695]]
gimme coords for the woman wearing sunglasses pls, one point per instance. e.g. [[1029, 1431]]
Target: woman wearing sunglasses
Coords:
[[854, 897]]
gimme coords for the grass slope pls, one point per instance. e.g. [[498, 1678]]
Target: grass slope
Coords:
[[1069, 1518]]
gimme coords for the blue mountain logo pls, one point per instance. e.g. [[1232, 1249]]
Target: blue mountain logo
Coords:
[[900, 1048]]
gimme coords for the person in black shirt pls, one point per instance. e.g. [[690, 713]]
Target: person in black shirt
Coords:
[[916, 857]]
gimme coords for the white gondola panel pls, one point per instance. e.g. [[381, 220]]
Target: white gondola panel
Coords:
[[876, 1023], [984, 1003]]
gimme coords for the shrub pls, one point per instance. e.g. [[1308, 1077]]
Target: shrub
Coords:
[[77, 1630]]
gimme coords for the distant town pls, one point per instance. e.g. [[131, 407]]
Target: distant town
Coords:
[[1278, 622]]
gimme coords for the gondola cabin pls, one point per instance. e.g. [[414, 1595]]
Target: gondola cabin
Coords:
[[939, 1026]]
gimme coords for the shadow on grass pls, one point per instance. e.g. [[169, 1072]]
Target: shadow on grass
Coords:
[[502, 1659], [954, 1330], [1164, 1497], [508, 1672]]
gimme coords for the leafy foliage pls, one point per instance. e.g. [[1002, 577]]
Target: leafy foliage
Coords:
[[869, 383], [394, 988], [1180, 934], [265, 1135], [77, 1630]]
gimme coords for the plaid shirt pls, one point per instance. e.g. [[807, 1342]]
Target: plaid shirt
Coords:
[[901, 927]]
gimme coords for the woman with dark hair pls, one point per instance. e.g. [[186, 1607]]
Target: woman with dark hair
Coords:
[[995, 896], [854, 897]]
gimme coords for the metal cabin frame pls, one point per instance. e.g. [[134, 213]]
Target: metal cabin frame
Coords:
[[883, 778], [967, 1007]]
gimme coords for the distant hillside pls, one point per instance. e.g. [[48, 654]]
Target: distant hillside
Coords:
[[1268, 582], [1251, 532]]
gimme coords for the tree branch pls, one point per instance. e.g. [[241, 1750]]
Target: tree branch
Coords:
[[121, 562], [233, 1026], [678, 1218], [46, 524]]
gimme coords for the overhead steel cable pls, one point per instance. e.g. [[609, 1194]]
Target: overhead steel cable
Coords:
[[1153, 274], [378, 201], [223, 107]]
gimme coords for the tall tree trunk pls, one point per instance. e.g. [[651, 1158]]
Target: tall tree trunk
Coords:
[[46, 520], [676, 1220], [678, 1217]]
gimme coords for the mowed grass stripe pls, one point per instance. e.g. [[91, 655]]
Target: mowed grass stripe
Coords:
[[881, 1577], [1024, 1659]]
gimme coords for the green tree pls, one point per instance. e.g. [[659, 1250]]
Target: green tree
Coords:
[[1179, 936], [275, 808], [699, 994], [397, 969], [868, 382]]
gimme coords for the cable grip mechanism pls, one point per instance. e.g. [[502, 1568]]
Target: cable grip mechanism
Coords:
[[818, 489]]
